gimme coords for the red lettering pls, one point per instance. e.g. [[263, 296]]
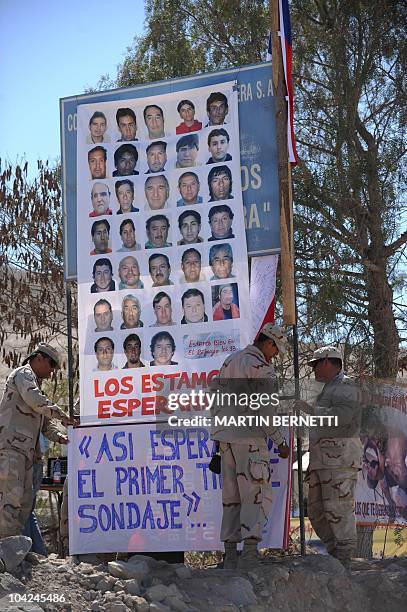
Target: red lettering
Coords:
[[157, 382], [134, 404], [127, 386], [96, 389], [146, 383], [147, 406], [112, 387], [103, 409]]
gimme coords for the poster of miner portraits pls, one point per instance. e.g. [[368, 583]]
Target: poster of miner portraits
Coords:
[[162, 257]]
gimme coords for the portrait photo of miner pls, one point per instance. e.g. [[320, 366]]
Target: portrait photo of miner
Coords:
[[189, 224], [193, 306], [162, 307], [154, 120], [218, 145], [187, 148], [125, 196], [191, 264], [103, 315], [97, 128], [104, 351], [221, 261], [157, 192], [103, 276], [217, 108], [127, 233], [131, 312], [186, 110], [97, 158], [220, 221], [220, 183], [127, 124], [188, 185], [132, 350], [157, 228], [125, 160], [100, 198], [100, 233], [162, 348], [156, 154]]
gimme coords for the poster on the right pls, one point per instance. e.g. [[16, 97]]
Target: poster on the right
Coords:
[[381, 490]]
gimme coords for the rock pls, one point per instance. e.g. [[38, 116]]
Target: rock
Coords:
[[156, 606], [95, 578], [13, 550], [140, 604], [34, 558], [95, 607], [239, 591], [132, 587], [118, 606], [145, 559], [106, 583], [85, 568], [175, 603], [9, 584], [119, 586], [183, 572], [158, 593], [175, 592], [122, 569]]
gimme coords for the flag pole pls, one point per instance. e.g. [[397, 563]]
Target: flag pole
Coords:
[[286, 224]]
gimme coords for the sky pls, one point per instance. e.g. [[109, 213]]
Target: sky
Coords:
[[51, 49]]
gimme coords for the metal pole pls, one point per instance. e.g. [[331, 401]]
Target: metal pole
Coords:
[[70, 355]]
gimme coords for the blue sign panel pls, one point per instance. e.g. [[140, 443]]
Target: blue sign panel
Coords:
[[258, 152]]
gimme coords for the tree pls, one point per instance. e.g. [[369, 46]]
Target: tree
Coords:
[[32, 299], [350, 58]]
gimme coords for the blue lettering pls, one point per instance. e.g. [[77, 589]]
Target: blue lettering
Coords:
[[118, 518], [117, 435], [104, 509], [104, 449], [177, 474], [83, 515], [154, 444], [148, 516], [82, 482], [133, 523], [95, 493]]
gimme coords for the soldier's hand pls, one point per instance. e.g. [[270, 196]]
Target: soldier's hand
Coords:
[[63, 439], [67, 421], [283, 450]]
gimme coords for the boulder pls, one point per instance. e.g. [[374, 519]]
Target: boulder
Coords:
[[13, 551]]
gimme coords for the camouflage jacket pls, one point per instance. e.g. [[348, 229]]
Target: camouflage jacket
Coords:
[[245, 372], [337, 447], [24, 412]]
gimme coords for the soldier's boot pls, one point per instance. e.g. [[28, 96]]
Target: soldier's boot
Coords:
[[230, 560], [249, 557]]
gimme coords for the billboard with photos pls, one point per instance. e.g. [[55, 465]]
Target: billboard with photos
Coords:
[[258, 152], [162, 257]]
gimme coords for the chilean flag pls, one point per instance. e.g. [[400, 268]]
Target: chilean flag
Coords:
[[287, 53]]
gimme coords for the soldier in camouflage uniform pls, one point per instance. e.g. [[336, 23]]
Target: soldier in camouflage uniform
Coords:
[[335, 456], [245, 459], [24, 413]]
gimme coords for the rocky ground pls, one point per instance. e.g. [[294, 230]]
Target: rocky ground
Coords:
[[289, 584]]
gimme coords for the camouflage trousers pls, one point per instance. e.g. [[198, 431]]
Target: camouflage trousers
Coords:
[[16, 492], [331, 509], [246, 490], [63, 523]]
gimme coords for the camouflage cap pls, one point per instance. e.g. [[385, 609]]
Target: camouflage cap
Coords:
[[325, 352], [276, 333], [45, 349]]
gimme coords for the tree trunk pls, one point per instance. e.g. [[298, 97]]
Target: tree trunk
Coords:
[[364, 548], [381, 317]]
